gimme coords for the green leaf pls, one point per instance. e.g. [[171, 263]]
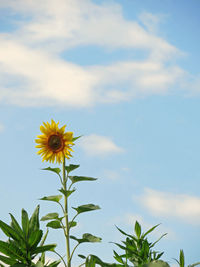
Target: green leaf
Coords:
[[75, 138], [67, 193], [56, 170], [56, 198], [182, 258], [35, 238], [54, 264], [50, 216], [16, 226], [11, 251], [44, 248], [34, 223], [44, 237], [118, 258], [54, 224], [91, 238], [7, 260], [121, 231], [86, 238], [85, 208], [137, 229], [71, 167], [81, 256], [9, 231], [152, 245], [25, 222], [72, 224], [76, 179], [150, 230], [19, 265]]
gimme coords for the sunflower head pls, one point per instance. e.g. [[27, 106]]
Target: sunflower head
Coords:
[[54, 142]]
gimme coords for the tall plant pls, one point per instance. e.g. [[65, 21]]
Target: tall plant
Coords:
[[55, 146]]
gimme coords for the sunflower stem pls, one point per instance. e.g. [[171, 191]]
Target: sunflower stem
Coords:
[[66, 216]]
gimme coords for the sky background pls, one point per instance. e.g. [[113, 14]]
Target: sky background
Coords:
[[125, 75]]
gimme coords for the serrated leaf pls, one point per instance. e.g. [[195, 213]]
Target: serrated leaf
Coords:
[[55, 198], [50, 216], [54, 224], [76, 179], [71, 167], [56, 170], [86, 208], [67, 193]]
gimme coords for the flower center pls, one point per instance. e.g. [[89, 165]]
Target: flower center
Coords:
[[55, 142]]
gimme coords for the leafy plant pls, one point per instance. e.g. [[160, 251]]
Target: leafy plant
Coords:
[[23, 241], [181, 261], [63, 222], [137, 249]]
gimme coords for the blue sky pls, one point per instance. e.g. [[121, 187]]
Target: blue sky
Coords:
[[125, 75]]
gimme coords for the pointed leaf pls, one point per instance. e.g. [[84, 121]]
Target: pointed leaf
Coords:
[[76, 179], [44, 248], [9, 231], [7, 260], [71, 167], [81, 256], [67, 193], [25, 222], [16, 226], [54, 264], [121, 231], [85, 208], [10, 250], [54, 224], [34, 238], [152, 245], [75, 138], [34, 224], [182, 258], [137, 229], [44, 238], [50, 216], [56, 198], [150, 230], [56, 170]]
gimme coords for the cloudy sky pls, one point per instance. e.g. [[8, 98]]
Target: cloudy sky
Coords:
[[125, 75]]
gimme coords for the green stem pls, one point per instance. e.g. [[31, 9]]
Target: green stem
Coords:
[[66, 216], [74, 250], [60, 258]]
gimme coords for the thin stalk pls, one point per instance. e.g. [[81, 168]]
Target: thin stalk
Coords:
[[66, 216], [60, 258]]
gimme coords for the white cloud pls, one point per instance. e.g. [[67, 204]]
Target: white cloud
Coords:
[[182, 206], [95, 145], [33, 73]]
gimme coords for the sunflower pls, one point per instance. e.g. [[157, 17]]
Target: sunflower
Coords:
[[54, 142]]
